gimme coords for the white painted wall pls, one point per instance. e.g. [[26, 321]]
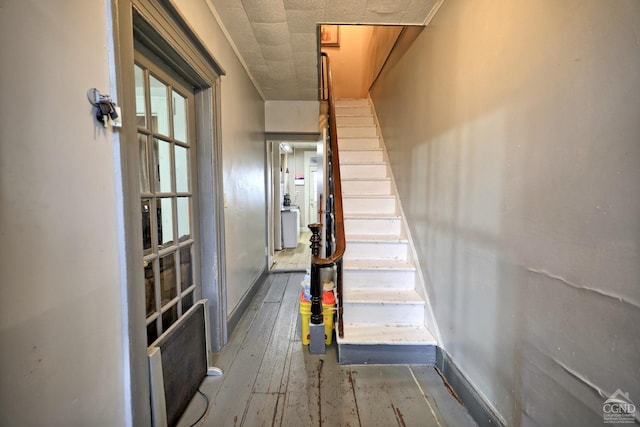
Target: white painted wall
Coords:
[[292, 116], [513, 133], [243, 127], [61, 296], [61, 335]]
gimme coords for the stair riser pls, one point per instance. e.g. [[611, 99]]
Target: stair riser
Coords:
[[364, 171], [349, 354], [362, 205], [356, 120], [352, 111], [377, 187], [372, 226], [376, 250], [359, 143], [380, 279], [357, 132], [361, 156], [402, 314]]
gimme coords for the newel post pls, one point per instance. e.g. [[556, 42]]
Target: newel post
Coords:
[[316, 286]]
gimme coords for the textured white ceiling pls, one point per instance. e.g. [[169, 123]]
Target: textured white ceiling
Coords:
[[277, 38]]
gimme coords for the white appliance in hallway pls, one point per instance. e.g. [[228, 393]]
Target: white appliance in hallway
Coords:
[[290, 216]]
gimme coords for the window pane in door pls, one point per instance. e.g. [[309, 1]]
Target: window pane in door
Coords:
[[168, 288], [179, 117], [182, 169], [184, 214], [152, 332], [162, 153], [187, 302], [159, 106], [145, 182], [149, 288], [169, 317], [186, 267], [165, 222], [141, 102], [146, 226]]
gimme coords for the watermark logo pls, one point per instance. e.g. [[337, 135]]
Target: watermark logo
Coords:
[[618, 409]]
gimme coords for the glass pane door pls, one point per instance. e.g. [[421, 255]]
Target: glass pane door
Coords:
[[166, 138]]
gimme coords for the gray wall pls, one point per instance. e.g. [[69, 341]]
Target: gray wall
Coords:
[[243, 127], [63, 342], [513, 133], [61, 331]]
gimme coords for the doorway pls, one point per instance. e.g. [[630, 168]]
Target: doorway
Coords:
[[292, 202], [169, 86], [165, 113]]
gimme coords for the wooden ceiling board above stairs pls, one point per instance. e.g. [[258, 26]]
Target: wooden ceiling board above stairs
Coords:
[[384, 310]]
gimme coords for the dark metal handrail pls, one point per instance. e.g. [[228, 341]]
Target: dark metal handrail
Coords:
[[334, 216]]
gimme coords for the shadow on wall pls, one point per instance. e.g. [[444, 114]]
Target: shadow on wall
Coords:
[[514, 163]]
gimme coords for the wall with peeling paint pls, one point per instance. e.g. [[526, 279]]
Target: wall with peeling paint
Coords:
[[513, 133]]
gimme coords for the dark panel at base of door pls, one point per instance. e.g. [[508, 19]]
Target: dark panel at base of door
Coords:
[[184, 362]]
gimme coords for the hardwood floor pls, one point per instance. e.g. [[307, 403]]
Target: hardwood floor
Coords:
[[294, 259], [270, 379]]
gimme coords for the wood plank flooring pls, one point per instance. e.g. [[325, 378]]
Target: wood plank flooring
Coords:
[[270, 379], [294, 259]]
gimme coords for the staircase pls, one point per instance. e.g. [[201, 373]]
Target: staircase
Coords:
[[384, 312]]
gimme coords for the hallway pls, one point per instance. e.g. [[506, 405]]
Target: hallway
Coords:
[[270, 379], [294, 259]]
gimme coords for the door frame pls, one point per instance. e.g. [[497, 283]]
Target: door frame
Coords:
[[272, 191], [159, 26], [310, 217]]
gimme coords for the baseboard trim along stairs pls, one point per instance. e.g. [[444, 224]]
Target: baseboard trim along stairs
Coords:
[[383, 303]]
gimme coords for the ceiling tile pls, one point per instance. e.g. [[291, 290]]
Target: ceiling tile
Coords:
[[254, 59], [265, 10], [318, 5], [417, 11], [235, 18], [277, 38], [281, 70], [277, 53], [302, 21], [345, 11], [271, 33], [385, 7], [301, 42]]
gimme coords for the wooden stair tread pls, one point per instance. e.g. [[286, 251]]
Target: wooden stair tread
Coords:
[[380, 333], [382, 295], [377, 265]]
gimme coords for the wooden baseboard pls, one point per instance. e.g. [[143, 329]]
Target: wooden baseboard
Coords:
[[480, 410], [234, 318]]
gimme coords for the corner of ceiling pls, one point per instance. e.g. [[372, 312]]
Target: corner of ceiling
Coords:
[[433, 12], [235, 49]]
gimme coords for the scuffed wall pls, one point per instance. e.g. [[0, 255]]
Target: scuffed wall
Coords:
[[61, 331], [513, 133], [243, 127]]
